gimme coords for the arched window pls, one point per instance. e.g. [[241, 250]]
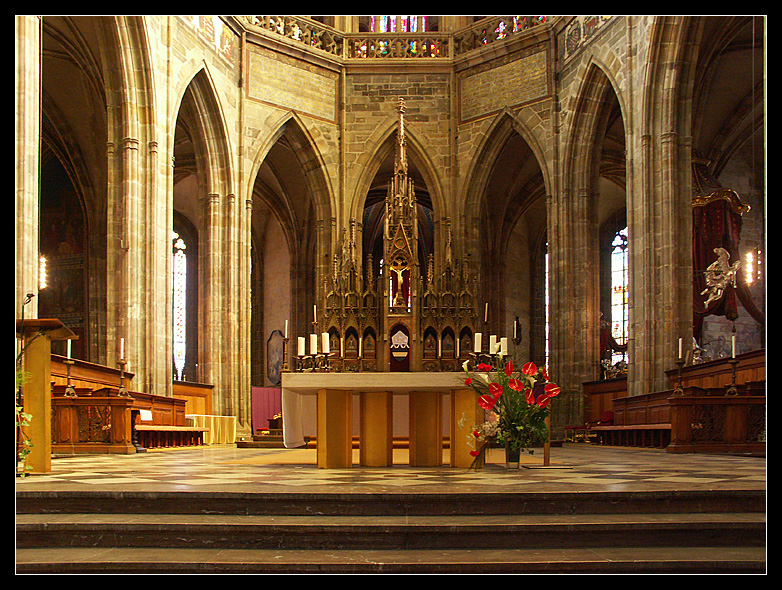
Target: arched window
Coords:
[[398, 24], [179, 304], [619, 292]]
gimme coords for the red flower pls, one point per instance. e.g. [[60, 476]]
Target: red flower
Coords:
[[530, 396], [495, 389], [486, 402], [509, 368], [468, 381], [483, 368], [516, 385], [544, 373], [552, 389], [475, 453], [529, 369], [476, 434], [543, 401]]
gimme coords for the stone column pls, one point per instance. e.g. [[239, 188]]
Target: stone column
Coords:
[[28, 140]]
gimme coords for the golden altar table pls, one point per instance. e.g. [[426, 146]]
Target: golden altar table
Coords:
[[425, 392]]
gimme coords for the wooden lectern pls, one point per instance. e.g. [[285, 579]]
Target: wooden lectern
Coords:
[[37, 336]]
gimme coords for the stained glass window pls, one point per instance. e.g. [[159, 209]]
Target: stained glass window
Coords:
[[179, 303], [619, 291], [398, 24]]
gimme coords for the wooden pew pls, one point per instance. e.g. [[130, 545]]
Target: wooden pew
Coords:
[[639, 420], [99, 420]]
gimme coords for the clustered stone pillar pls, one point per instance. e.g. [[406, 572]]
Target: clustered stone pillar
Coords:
[[28, 133]]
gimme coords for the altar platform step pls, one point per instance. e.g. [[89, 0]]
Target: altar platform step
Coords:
[[94, 532], [397, 442]]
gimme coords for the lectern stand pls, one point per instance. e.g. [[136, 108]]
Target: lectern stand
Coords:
[[37, 336]]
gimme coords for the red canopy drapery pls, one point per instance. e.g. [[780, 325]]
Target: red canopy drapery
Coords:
[[716, 223]]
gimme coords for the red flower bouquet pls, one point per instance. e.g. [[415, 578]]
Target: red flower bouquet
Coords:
[[516, 405]]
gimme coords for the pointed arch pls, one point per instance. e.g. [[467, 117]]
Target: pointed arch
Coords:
[[290, 126], [582, 153], [504, 125], [379, 145], [200, 106]]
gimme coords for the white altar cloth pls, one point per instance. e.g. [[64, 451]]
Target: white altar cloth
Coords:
[[296, 385]]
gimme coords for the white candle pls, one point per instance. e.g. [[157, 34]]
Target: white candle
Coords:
[[69, 348], [342, 346], [486, 313], [326, 345], [492, 344], [121, 348], [515, 324], [315, 313], [478, 337], [302, 346], [286, 328], [439, 347], [504, 346], [680, 348], [733, 346], [313, 344]]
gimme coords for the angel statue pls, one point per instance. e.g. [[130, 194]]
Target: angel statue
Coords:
[[719, 276]]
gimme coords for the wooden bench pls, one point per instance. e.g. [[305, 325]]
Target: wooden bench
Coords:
[[156, 436], [634, 435]]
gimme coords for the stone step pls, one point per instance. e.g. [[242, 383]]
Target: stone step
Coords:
[[606, 560], [390, 503], [193, 531], [380, 532]]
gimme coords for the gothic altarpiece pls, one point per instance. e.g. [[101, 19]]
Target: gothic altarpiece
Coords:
[[399, 319]]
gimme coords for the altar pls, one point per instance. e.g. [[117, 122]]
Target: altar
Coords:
[[425, 393]]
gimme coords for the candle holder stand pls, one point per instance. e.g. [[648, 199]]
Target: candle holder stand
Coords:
[[121, 391], [731, 389], [679, 389], [69, 390]]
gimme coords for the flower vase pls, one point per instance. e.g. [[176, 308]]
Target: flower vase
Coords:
[[512, 456]]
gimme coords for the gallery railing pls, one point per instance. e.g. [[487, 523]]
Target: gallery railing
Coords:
[[411, 45]]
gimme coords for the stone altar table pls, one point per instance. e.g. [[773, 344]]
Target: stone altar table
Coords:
[[425, 392]]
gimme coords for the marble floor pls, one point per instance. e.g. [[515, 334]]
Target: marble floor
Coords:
[[572, 467]]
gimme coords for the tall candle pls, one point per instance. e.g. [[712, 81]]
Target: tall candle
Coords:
[[315, 313], [478, 337], [121, 348], [680, 348], [302, 346], [733, 346], [286, 328], [486, 313], [69, 348]]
